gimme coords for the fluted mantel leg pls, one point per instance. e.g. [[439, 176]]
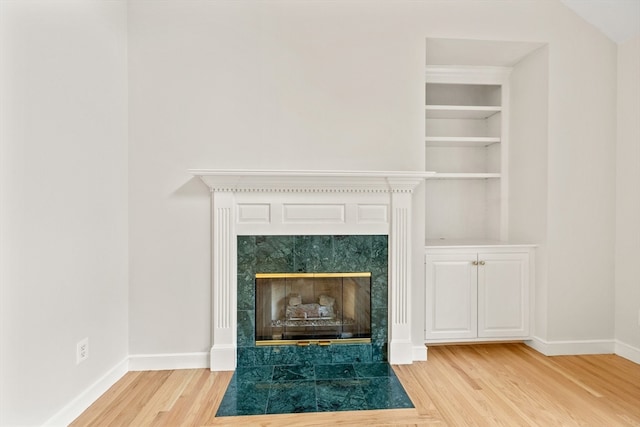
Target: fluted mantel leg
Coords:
[[400, 345], [224, 289]]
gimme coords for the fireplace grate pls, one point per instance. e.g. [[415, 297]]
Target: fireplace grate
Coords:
[[298, 307]]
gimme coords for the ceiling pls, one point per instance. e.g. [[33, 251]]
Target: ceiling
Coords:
[[617, 19]]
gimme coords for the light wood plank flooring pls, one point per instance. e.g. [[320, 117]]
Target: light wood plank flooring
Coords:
[[470, 385]]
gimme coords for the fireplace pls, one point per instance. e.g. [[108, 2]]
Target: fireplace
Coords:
[[313, 308], [283, 204]]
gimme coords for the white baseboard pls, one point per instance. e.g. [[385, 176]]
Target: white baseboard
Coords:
[[400, 352], [627, 351], [419, 353], [223, 357], [78, 405], [565, 348], [168, 361]]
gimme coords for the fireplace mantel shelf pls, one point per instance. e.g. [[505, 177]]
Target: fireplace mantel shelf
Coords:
[[240, 180]]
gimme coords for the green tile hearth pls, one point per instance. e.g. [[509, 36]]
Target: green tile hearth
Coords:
[[286, 389], [284, 379]]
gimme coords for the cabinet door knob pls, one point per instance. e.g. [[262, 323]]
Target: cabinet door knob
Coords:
[[481, 262], [474, 263]]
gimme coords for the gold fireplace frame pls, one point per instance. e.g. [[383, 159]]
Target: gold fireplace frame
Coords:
[[309, 275], [308, 342]]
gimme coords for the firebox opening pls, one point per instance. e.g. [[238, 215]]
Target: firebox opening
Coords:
[[313, 308]]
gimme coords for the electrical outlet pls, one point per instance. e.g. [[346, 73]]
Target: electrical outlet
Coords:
[[82, 351]]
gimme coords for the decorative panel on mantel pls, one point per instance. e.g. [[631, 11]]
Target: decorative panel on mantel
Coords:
[[315, 213]]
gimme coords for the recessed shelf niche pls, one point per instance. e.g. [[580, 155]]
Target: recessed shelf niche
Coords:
[[466, 111]]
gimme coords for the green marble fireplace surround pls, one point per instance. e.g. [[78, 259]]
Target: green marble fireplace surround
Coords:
[[311, 254]]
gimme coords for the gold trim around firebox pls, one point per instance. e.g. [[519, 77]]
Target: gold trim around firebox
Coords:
[[309, 275], [321, 342]]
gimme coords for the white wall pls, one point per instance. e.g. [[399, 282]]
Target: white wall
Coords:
[[63, 214], [528, 173], [581, 199], [628, 197], [339, 85], [247, 85]]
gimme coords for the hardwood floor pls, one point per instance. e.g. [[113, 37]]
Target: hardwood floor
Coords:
[[470, 385]]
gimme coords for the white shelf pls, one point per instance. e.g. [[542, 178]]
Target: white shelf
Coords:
[[446, 175], [470, 243], [461, 111], [460, 141]]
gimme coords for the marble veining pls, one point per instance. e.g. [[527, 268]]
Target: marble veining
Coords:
[[280, 389], [292, 379], [290, 254]]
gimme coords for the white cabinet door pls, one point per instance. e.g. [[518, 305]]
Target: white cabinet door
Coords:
[[503, 295], [451, 296]]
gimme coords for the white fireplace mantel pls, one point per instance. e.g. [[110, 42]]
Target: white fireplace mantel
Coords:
[[285, 202]]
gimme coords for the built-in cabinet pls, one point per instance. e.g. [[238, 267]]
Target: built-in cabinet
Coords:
[[477, 281], [476, 294]]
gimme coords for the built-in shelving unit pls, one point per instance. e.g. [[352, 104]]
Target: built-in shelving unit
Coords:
[[466, 117], [478, 282]]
